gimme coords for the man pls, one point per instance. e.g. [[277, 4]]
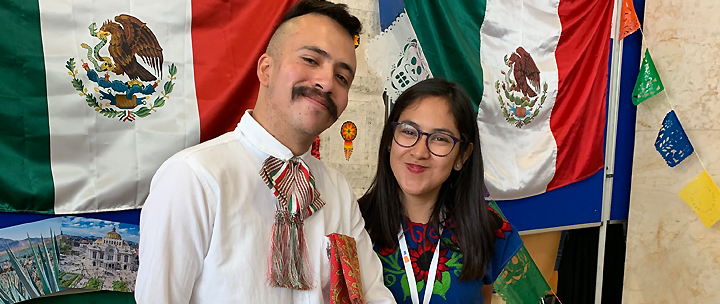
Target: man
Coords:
[[242, 218]]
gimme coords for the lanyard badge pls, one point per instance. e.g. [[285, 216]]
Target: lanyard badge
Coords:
[[411, 274]]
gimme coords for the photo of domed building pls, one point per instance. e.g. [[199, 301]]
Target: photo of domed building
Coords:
[[98, 254], [112, 253]]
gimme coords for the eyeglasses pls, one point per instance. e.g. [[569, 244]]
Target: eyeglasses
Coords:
[[438, 143]]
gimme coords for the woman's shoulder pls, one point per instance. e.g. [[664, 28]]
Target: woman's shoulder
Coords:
[[500, 225]]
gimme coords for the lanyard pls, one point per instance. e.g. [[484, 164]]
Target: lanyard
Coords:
[[430, 283]]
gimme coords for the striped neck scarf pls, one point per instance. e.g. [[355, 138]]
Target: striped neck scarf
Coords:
[[297, 199]]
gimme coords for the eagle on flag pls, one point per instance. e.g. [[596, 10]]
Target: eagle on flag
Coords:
[[130, 37]]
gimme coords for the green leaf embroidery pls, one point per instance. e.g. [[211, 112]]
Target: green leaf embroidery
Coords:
[[453, 261], [70, 64], [110, 113], [91, 101], [143, 112], [405, 286], [441, 288], [77, 84], [391, 260], [159, 102], [168, 87], [173, 71], [390, 279]]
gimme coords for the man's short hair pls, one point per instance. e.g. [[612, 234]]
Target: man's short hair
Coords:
[[334, 11]]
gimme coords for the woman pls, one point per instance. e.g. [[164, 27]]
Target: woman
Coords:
[[429, 183]]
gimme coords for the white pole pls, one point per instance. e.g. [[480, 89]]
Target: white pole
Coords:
[[610, 143]]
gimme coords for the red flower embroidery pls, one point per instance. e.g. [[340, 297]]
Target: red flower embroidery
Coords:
[[422, 257], [384, 251], [501, 232], [505, 225]]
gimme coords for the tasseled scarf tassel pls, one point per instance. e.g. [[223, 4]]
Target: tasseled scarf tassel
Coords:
[[289, 249]]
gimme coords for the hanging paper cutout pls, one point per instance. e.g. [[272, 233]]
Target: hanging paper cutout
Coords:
[[348, 131], [397, 57], [648, 82], [672, 142], [703, 196], [629, 22], [315, 150]]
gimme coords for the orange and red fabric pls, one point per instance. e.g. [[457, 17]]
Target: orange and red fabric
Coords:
[[345, 283]]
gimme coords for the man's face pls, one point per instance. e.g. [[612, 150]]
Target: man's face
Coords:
[[311, 74]]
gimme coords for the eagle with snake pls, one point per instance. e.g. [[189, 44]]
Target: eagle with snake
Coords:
[[131, 38], [524, 69]]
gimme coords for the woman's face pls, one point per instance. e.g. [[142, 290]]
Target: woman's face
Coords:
[[419, 173]]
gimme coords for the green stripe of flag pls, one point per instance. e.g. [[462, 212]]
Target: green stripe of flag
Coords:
[[25, 178], [449, 33]]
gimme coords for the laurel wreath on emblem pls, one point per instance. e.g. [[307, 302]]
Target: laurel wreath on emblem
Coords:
[[128, 100], [520, 109]]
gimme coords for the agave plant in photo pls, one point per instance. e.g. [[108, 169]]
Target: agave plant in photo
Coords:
[[35, 276]]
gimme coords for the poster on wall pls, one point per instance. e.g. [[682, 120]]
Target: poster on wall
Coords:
[[98, 254], [51, 255], [29, 260]]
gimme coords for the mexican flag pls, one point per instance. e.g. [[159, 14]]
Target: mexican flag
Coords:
[[535, 70], [97, 94]]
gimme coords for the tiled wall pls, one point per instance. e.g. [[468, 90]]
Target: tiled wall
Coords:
[[366, 109], [671, 256]]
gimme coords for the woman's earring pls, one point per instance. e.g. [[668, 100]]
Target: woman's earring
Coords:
[[389, 148], [457, 166]]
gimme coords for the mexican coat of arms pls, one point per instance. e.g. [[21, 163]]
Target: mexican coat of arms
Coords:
[[120, 79], [519, 93]]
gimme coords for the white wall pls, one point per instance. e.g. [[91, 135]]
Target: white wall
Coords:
[[671, 256]]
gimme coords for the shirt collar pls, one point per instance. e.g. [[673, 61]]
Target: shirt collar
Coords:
[[262, 140]]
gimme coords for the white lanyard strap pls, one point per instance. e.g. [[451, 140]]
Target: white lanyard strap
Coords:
[[430, 283]]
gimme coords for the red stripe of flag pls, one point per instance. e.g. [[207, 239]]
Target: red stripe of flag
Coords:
[[578, 117], [228, 37]]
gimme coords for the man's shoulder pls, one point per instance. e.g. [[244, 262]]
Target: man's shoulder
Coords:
[[210, 148], [211, 157]]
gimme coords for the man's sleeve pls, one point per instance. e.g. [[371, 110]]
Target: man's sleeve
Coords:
[[175, 230], [371, 271]]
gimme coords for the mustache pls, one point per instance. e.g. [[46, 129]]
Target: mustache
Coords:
[[309, 92]]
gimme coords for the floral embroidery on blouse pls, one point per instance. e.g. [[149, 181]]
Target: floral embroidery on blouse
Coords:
[[422, 240]]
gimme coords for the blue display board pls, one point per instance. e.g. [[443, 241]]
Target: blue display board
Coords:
[[128, 216]]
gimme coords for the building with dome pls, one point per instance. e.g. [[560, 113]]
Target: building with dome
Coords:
[[112, 253]]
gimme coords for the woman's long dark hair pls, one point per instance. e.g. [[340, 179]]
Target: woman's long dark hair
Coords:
[[461, 195]]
